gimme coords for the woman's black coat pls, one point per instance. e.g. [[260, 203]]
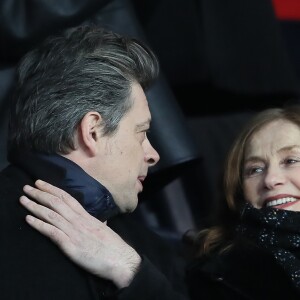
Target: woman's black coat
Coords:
[[244, 272]]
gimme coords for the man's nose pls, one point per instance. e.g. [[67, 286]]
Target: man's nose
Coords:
[[151, 155]]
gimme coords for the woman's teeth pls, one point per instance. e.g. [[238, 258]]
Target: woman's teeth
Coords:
[[281, 201]]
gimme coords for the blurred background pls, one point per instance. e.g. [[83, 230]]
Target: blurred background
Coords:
[[221, 61]]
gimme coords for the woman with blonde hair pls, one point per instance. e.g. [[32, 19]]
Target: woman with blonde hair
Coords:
[[253, 249]]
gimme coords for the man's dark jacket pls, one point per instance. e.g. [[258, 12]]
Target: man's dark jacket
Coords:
[[33, 267]]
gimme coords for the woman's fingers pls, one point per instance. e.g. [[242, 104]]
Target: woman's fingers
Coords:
[[59, 193], [84, 239], [76, 239], [55, 199], [56, 235], [46, 221]]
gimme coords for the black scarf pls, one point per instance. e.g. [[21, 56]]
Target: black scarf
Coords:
[[65, 174], [277, 231]]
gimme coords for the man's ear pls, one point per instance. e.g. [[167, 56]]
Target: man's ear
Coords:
[[90, 131]]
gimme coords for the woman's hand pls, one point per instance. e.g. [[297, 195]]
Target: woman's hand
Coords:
[[87, 241]]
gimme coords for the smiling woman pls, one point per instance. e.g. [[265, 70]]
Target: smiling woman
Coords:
[[272, 166], [257, 227]]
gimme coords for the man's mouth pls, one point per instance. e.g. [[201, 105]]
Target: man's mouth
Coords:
[[141, 180]]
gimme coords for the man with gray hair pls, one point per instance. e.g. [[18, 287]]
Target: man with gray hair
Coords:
[[79, 121]]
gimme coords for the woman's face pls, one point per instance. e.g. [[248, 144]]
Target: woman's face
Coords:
[[271, 174]]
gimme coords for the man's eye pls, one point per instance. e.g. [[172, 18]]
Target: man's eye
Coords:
[[146, 133], [142, 135]]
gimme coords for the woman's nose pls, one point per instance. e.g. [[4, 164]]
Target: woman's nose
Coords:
[[274, 177]]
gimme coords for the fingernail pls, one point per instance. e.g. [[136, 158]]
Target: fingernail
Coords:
[[27, 188], [29, 219], [24, 199], [40, 182]]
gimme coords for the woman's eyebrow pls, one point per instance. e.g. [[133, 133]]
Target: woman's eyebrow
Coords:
[[253, 159], [289, 148]]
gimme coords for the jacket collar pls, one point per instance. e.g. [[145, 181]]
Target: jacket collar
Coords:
[[67, 175]]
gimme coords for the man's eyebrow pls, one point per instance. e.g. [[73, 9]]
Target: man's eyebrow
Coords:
[[144, 125]]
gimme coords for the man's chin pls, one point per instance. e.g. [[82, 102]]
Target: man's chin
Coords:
[[129, 206]]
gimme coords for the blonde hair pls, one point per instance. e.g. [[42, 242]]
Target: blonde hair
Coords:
[[219, 237]]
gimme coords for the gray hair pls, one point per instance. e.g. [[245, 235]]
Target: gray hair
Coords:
[[83, 69]]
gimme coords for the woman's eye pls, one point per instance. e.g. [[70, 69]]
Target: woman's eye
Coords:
[[291, 161], [253, 171]]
